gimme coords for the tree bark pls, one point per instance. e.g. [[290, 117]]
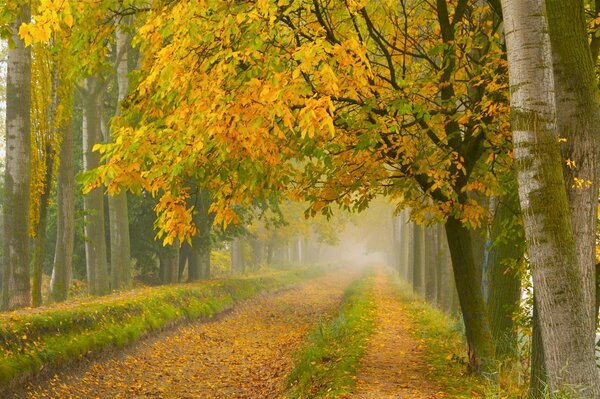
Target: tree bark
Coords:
[[447, 289], [578, 116], [16, 284], [431, 260], [65, 220], [93, 202], [120, 248], [537, 383], [199, 263], [418, 259], [237, 255], [169, 264], [39, 247], [564, 314], [504, 280], [481, 349]]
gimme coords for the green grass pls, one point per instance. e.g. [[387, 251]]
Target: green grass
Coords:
[[30, 340], [328, 363]]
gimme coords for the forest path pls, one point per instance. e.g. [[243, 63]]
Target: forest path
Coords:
[[393, 365], [247, 353]]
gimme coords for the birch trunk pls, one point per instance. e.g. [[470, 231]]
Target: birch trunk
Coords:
[[563, 313], [16, 284]]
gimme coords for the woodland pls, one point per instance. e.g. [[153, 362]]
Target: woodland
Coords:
[[300, 198]]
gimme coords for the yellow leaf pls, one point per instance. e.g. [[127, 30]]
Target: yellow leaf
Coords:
[[25, 34], [69, 20]]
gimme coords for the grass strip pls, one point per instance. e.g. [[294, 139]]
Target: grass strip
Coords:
[[30, 340], [442, 343], [327, 366]]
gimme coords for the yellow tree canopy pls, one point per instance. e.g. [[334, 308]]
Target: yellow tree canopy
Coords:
[[329, 101]]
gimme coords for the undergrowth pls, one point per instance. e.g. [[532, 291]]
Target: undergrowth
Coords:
[[326, 366], [30, 340]]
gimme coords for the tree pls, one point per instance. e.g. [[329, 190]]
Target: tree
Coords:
[[16, 284], [563, 309], [505, 259], [65, 227], [45, 119], [95, 238], [335, 102], [120, 251]]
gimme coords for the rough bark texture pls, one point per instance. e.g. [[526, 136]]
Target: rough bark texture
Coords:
[[16, 284], [120, 249], [560, 298], [537, 384], [65, 221], [578, 116], [481, 349], [503, 276], [93, 202]]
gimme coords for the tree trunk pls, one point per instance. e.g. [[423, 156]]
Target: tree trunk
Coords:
[[16, 284], [564, 314], [169, 264], [506, 253], [418, 262], [537, 384], [93, 202], [65, 220], [120, 252], [237, 255], [431, 261], [481, 349], [270, 250], [446, 288], [199, 264], [39, 247], [184, 258], [479, 236], [406, 258], [578, 115]]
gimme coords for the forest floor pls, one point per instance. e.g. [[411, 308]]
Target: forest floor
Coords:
[[247, 353], [394, 364]]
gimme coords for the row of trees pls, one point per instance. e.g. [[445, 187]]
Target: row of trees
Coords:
[[341, 102], [62, 90]]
